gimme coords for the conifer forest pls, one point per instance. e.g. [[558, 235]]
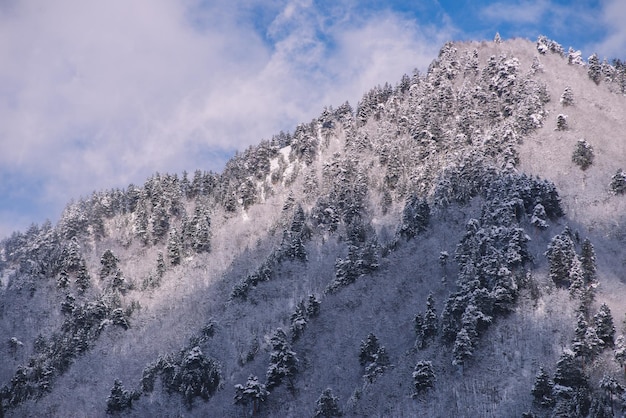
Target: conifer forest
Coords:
[[452, 245]]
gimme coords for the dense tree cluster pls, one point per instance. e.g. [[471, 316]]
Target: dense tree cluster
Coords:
[[575, 57], [189, 373], [253, 393], [303, 313], [493, 249], [283, 361], [570, 270], [548, 45], [362, 257], [120, 398], [415, 217], [570, 392], [374, 357], [82, 325], [427, 324], [542, 390]]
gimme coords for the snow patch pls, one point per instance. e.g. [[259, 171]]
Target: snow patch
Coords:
[[285, 151], [274, 165], [288, 170], [275, 162]]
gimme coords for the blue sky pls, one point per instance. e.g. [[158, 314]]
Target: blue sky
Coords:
[[97, 95]]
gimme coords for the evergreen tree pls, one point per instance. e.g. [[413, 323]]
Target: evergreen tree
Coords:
[[369, 347], [463, 348], [620, 352], [443, 259], [588, 261], [298, 321], [296, 248], [283, 361], [253, 393], [378, 365], [567, 98], [373, 356], [313, 307], [108, 263], [612, 387], [174, 247], [600, 409], [83, 280], [415, 217], [561, 122], [618, 182], [327, 405], [571, 402], [247, 193], [201, 238], [586, 343], [386, 201], [120, 398], [604, 325], [452, 309], [539, 216], [560, 255], [160, 222], [569, 372], [160, 268], [542, 389], [583, 154], [63, 280], [298, 222], [473, 318], [142, 222], [118, 317], [71, 256], [197, 375], [594, 69], [574, 57], [118, 281], [423, 376], [431, 322], [576, 279]]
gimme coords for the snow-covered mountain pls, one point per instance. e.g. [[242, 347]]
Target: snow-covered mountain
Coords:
[[453, 246]]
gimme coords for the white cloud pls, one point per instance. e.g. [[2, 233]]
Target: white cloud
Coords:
[[98, 94], [523, 12], [613, 17]]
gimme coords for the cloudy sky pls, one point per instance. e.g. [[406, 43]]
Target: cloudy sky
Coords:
[[96, 95]]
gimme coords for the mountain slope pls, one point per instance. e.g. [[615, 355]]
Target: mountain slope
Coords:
[[177, 288]]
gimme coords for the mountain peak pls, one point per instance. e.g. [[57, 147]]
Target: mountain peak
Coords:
[[456, 230]]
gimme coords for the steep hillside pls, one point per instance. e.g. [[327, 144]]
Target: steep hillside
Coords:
[[424, 254]]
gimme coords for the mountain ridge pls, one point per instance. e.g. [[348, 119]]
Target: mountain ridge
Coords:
[[458, 140]]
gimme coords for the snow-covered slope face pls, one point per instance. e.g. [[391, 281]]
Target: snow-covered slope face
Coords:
[[596, 115], [363, 251]]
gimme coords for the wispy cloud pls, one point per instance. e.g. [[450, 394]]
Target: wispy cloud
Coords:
[[96, 95], [523, 12], [595, 26], [614, 18]]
